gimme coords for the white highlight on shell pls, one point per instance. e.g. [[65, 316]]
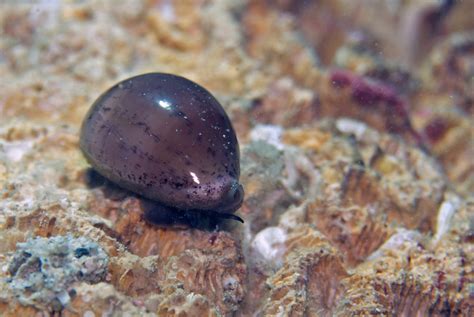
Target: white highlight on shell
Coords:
[[195, 178], [269, 244], [445, 214], [164, 104], [396, 241], [268, 133]]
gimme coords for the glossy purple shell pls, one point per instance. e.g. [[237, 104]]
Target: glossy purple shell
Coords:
[[168, 139]]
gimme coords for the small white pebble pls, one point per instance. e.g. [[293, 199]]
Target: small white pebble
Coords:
[[16, 150], [269, 243], [89, 313], [64, 298], [349, 126], [268, 133]]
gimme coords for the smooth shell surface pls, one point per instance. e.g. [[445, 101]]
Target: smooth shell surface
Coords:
[[168, 139]]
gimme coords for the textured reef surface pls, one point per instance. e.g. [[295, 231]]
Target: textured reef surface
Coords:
[[355, 124]]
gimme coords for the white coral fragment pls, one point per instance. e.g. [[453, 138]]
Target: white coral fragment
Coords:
[[269, 244], [446, 211]]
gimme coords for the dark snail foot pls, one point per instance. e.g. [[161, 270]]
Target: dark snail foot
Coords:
[[224, 216], [162, 215]]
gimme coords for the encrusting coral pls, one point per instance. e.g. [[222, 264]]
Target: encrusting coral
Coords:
[[44, 270]]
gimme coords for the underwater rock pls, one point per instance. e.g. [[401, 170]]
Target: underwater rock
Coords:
[[44, 271], [200, 261]]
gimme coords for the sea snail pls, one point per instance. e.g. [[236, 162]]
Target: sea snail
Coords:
[[167, 139]]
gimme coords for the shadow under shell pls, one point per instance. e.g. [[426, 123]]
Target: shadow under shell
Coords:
[[158, 214]]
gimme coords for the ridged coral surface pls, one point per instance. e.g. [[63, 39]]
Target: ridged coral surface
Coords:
[[356, 134]]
